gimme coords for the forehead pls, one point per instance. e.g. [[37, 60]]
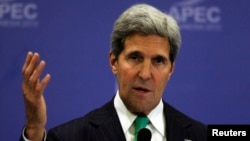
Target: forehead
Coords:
[[147, 44]]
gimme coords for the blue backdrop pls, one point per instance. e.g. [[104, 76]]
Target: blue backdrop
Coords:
[[210, 83]]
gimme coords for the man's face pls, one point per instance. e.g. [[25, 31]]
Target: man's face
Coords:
[[142, 70]]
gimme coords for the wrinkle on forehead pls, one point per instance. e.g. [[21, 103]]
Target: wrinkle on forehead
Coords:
[[148, 44]]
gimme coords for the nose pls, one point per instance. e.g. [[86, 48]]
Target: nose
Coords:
[[145, 72]]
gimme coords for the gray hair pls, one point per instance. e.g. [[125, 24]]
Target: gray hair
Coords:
[[145, 19]]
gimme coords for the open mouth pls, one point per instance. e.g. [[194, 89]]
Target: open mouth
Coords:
[[141, 89]]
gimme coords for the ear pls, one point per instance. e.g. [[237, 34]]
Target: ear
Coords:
[[171, 70], [113, 63]]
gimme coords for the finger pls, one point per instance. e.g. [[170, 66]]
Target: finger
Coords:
[[37, 72], [44, 82], [27, 61], [31, 66]]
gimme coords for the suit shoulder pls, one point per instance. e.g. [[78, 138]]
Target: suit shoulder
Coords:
[[80, 126], [182, 118]]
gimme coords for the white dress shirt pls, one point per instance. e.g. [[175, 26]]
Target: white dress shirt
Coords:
[[157, 124]]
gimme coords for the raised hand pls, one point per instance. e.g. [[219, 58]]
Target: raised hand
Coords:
[[33, 88]]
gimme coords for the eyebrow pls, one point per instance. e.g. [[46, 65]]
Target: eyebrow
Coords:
[[134, 53], [140, 53]]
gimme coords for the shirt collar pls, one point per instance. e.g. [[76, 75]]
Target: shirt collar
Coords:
[[124, 115], [156, 116]]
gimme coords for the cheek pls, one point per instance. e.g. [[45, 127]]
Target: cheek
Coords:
[[125, 76], [161, 82], [127, 72]]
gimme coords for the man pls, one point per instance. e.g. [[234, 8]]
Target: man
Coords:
[[145, 43]]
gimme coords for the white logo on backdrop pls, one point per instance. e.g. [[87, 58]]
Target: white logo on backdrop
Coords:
[[194, 15], [18, 14]]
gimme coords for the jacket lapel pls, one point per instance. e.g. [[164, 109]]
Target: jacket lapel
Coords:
[[176, 125], [106, 125]]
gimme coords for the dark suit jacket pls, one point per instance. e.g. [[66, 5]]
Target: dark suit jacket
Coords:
[[103, 124]]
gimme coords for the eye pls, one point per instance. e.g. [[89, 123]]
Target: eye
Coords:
[[135, 57], [159, 60]]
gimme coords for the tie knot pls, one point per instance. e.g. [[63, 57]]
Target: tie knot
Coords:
[[140, 122]]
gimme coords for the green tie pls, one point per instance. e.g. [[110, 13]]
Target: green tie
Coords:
[[140, 122]]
